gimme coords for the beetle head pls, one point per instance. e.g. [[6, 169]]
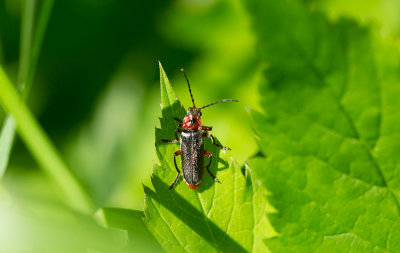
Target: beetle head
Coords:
[[192, 120], [195, 112]]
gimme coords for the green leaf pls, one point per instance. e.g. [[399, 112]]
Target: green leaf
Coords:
[[230, 216], [121, 218], [131, 220], [329, 131]]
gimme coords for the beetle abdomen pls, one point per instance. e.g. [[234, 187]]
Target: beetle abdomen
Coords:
[[192, 149]]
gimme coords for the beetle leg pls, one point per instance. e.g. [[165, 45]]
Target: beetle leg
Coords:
[[175, 118], [177, 131], [176, 166], [208, 166], [208, 135], [206, 128]]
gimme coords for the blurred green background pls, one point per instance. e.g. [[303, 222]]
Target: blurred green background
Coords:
[[96, 87], [96, 94]]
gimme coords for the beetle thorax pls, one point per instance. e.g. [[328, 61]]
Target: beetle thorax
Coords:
[[192, 120]]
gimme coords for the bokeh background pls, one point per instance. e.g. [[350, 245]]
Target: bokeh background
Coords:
[[96, 94], [96, 88]]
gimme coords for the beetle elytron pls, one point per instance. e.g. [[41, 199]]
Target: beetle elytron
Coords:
[[192, 146]]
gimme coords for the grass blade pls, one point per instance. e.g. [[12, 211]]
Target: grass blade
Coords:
[[30, 45], [42, 21], [41, 147], [28, 16], [6, 140]]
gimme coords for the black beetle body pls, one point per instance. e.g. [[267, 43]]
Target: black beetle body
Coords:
[[192, 149]]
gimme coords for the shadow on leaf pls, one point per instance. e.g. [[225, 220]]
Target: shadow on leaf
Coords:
[[191, 217]]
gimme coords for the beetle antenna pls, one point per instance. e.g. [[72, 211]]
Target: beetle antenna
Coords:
[[190, 90], [219, 101]]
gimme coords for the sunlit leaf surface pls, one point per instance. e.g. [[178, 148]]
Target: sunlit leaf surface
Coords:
[[329, 131]]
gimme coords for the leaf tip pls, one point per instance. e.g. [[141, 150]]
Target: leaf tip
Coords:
[[146, 189]]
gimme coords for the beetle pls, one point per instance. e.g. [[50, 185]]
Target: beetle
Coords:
[[192, 150]]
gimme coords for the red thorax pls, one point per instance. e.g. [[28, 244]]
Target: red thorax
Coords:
[[191, 122]]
